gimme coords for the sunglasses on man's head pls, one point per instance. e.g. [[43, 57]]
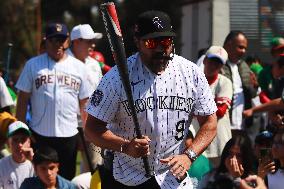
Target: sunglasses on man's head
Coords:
[[153, 43]]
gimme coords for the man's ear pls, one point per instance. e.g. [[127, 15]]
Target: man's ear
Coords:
[[67, 44]]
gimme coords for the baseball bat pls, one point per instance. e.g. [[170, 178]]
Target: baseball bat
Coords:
[[8, 61], [115, 39], [81, 133]]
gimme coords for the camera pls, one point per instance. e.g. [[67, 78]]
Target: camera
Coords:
[[252, 184]]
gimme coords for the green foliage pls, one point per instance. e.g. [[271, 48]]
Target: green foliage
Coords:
[[22, 23]]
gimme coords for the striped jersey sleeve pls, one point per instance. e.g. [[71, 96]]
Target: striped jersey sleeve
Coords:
[[104, 102]]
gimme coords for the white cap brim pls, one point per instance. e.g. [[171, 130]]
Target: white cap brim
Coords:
[[216, 56]]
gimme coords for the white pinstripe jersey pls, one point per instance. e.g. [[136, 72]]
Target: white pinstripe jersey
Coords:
[[163, 104], [55, 92]]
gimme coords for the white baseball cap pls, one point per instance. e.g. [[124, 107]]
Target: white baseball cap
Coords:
[[84, 31], [18, 125], [217, 52]]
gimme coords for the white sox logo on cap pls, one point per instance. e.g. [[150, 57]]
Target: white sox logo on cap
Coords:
[[157, 22]]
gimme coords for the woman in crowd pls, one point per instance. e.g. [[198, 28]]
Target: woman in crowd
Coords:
[[236, 161], [275, 179]]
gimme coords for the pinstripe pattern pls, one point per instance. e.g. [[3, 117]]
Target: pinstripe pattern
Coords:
[[163, 104], [55, 89]]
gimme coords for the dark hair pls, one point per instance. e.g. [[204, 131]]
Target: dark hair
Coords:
[[280, 61], [246, 152], [45, 153], [223, 181], [252, 59], [264, 138], [232, 35]]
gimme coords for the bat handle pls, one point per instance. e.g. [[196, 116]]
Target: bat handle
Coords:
[[149, 172]]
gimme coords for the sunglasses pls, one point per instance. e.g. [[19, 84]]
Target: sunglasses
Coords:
[[57, 39], [153, 43]]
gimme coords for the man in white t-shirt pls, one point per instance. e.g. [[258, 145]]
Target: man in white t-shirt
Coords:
[[82, 41], [17, 166], [167, 90]]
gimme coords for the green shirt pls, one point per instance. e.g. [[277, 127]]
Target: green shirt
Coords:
[[200, 167]]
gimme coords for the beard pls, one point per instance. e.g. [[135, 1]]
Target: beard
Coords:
[[157, 62], [162, 56], [160, 62]]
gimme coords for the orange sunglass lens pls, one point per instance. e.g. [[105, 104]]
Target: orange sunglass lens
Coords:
[[153, 43], [166, 42], [150, 44]]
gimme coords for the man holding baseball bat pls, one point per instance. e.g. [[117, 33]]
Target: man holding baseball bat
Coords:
[[167, 91]]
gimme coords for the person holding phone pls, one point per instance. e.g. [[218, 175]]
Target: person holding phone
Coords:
[[276, 180], [262, 150], [245, 183], [236, 161]]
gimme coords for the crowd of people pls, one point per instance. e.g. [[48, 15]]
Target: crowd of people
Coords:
[[216, 123]]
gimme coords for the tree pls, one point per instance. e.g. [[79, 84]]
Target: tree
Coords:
[[20, 19]]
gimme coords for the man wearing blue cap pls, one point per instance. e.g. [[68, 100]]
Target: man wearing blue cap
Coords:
[[56, 84]]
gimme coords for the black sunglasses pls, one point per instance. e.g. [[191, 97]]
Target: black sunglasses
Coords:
[[57, 39]]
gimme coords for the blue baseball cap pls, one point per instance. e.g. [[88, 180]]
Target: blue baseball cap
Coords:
[[265, 137], [56, 29]]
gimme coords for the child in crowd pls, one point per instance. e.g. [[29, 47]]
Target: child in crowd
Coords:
[[17, 166], [46, 166]]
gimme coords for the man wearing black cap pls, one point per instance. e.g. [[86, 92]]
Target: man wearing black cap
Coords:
[[56, 84], [167, 90]]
